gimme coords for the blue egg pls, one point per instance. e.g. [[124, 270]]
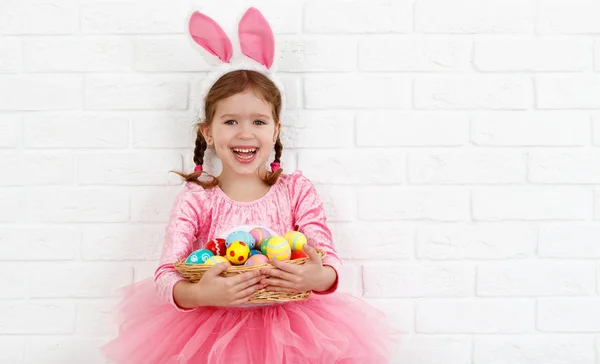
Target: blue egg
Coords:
[[242, 236], [199, 256], [254, 252]]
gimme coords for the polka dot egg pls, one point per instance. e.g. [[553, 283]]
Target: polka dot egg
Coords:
[[238, 252], [278, 248]]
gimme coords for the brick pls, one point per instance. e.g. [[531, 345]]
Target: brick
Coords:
[[13, 349], [14, 283], [57, 168], [473, 93], [134, 17], [79, 279], [171, 53], [82, 54], [10, 130], [65, 350], [532, 203], [52, 242], [141, 92], [474, 17], [400, 53], [153, 204], [96, 317], [569, 241], [408, 203], [292, 85], [40, 92], [373, 241], [567, 92], [399, 312], [339, 202], [533, 55], [85, 130], [40, 17], [531, 349], [411, 129], [561, 128], [13, 200], [418, 280], [340, 91], [380, 16], [467, 316], [11, 55], [49, 317], [144, 270], [568, 315], [350, 279], [149, 168], [317, 54], [535, 279], [480, 241], [163, 130], [448, 350], [353, 166], [318, 129], [76, 205], [118, 242], [567, 17], [466, 166], [564, 167]]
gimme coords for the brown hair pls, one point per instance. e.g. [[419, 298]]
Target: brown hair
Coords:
[[228, 85]]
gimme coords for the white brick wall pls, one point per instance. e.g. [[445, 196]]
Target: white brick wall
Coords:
[[454, 144]]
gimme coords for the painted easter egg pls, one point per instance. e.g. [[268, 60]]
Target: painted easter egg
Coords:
[[217, 259], [297, 254], [254, 252], [199, 256], [242, 236], [296, 240], [259, 234], [263, 246], [278, 248], [257, 260], [238, 252], [217, 246]]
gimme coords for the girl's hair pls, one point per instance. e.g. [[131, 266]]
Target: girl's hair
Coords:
[[228, 85]]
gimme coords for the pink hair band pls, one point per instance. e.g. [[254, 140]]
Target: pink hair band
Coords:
[[198, 168], [275, 166]]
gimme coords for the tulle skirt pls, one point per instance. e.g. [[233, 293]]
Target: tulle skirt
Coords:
[[334, 328]]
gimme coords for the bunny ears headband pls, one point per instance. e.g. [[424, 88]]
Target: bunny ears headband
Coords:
[[256, 41]]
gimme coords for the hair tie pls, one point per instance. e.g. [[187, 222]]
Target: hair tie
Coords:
[[198, 168], [275, 166]]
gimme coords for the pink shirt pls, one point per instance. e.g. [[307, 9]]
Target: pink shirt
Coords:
[[199, 215]]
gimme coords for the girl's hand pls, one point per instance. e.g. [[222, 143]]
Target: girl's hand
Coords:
[[312, 275], [214, 290]]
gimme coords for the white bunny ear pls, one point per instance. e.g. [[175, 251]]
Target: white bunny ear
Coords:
[[256, 37], [210, 36]]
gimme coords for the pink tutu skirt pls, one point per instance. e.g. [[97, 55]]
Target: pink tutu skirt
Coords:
[[334, 328]]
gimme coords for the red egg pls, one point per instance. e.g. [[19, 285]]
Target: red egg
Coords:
[[217, 246], [297, 254]]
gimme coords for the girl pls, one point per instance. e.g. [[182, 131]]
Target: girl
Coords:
[[170, 320]]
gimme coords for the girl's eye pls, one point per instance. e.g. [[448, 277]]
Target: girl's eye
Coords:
[[230, 122], [259, 122]]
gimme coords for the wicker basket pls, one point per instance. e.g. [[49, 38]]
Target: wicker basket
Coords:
[[193, 273]]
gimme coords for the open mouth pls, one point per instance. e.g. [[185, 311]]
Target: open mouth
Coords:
[[244, 153]]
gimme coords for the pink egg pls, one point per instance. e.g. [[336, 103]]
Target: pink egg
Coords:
[[257, 259]]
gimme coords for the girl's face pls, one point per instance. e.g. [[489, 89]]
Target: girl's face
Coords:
[[243, 133]]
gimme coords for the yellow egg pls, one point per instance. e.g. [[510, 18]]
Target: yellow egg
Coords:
[[278, 248], [238, 252], [216, 260], [296, 240]]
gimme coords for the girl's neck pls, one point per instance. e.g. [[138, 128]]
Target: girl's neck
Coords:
[[243, 189]]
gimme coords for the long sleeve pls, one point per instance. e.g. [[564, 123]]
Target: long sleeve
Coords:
[[310, 219], [180, 236]]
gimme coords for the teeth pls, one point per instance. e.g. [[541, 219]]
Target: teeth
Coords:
[[244, 150]]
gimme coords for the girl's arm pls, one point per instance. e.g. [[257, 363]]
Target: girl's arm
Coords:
[[310, 220], [180, 236]]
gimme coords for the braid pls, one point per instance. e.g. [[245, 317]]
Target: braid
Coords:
[[199, 149], [278, 149]]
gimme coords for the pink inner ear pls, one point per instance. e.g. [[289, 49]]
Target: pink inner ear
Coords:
[[210, 36], [256, 37]]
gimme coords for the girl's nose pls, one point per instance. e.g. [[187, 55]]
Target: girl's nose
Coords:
[[246, 131]]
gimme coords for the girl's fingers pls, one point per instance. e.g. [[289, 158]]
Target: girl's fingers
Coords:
[[248, 292], [240, 278], [276, 282], [279, 274], [245, 284]]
